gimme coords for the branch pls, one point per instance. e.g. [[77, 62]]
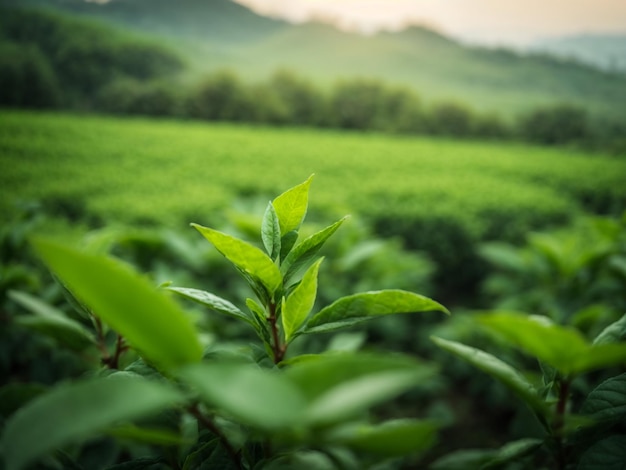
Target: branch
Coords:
[[210, 425]]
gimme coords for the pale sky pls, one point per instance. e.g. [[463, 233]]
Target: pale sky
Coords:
[[489, 21]]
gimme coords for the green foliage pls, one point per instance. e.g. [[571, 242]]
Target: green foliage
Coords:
[[79, 55], [574, 276], [27, 79], [564, 355], [226, 407], [555, 125]]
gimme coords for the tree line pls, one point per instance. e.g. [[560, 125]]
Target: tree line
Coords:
[[51, 61]]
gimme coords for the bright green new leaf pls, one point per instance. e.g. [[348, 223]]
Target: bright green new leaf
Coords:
[[304, 252], [52, 322], [356, 308], [213, 302], [562, 347], [247, 258], [538, 336], [291, 206], [390, 439], [256, 309], [76, 412], [614, 333], [607, 402], [270, 232], [498, 369], [300, 302], [150, 321], [261, 398]]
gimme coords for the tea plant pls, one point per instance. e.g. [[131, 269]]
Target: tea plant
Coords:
[[167, 395], [594, 436]]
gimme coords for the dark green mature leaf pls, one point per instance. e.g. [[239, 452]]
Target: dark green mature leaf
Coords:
[[76, 412], [607, 402], [15, 395], [143, 463], [53, 322], [608, 454], [561, 347], [484, 459], [213, 302], [152, 322], [291, 206], [248, 258], [356, 308], [261, 398], [391, 439], [315, 375], [298, 305], [270, 232], [155, 436], [304, 252], [498, 369], [287, 242], [614, 333], [352, 397], [211, 456]]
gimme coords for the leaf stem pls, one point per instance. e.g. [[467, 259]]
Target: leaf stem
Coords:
[[559, 422], [210, 425], [278, 348]]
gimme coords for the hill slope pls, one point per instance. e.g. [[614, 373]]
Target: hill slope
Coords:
[[220, 33]]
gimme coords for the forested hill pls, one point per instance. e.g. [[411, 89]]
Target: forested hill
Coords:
[[222, 21], [217, 34]]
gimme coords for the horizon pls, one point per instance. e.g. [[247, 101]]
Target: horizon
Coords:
[[509, 23]]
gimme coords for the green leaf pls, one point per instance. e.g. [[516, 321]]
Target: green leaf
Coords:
[[155, 436], [390, 439], [305, 251], [614, 333], [152, 322], [15, 395], [256, 309], [499, 370], [353, 309], [291, 206], [287, 242], [562, 347], [247, 258], [261, 398], [77, 412], [211, 456], [213, 302], [299, 304], [352, 397], [608, 454], [52, 322], [607, 402], [484, 459], [270, 232]]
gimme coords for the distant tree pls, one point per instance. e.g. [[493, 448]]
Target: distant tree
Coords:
[[401, 111], [304, 103], [26, 78], [221, 97], [553, 125], [358, 104], [450, 118]]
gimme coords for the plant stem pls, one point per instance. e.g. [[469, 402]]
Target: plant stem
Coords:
[[559, 422], [278, 348], [210, 425]]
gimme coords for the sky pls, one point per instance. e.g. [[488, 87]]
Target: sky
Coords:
[[506, 22]]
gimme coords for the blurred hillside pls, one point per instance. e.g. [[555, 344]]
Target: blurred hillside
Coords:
[[222, 34]]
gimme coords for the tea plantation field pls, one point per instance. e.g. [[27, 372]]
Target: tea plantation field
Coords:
[[135, 171]]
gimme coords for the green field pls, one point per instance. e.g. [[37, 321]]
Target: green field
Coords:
[[168, 172]]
